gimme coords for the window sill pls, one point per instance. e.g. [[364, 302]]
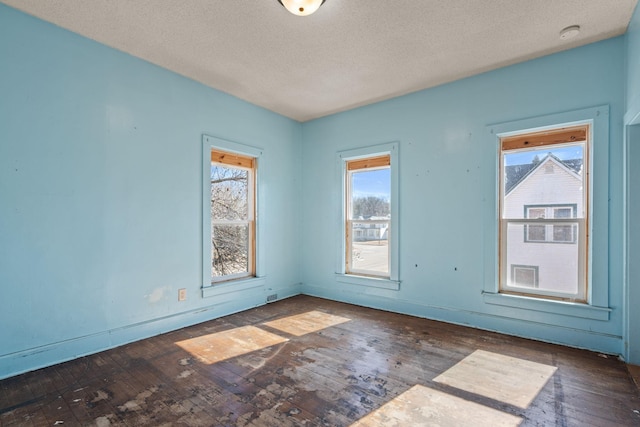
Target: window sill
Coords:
[[584, 311], [238, 285], [368, 281]]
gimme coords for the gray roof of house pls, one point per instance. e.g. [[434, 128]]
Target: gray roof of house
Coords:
[[515, 174]]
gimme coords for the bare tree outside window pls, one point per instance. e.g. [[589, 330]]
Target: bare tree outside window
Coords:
[[231, 221], [366, 207]]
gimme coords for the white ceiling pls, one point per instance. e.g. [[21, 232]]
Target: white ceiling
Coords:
[[349, 53]]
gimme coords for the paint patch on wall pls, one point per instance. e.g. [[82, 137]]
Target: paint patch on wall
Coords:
[[157, 295]]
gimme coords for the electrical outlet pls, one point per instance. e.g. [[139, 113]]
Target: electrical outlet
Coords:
[[182, 294]]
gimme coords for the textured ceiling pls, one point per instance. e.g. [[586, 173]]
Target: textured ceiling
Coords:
[[349, 53]]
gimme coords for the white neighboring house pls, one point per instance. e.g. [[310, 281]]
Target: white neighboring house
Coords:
[[543, 256], [363, 232]]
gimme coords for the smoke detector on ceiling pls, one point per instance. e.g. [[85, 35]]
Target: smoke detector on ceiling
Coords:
[[570, 32]]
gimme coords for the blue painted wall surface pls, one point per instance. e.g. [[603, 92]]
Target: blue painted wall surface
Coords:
[[633, 188], [633, 245], [100, 195], [633, 68], [447, 191]]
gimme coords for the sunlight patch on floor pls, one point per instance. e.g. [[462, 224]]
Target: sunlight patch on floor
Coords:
[[225, 345], [421, 406], [305, 323], [502, 378]]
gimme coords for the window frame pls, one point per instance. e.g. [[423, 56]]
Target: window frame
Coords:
[[558, 136], [361, 165], [257, 276], [597, 304], [228, 159], [392, 282]]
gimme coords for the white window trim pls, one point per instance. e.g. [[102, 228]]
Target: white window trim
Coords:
[[393, 282], [209, 286], [597, 306]]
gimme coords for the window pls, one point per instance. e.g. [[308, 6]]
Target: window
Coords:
[[233, 244], [557, 233], [543, 197], [524, 276], [563, 233], [232, 201], [368, 213], [366, 216], [535, 233]]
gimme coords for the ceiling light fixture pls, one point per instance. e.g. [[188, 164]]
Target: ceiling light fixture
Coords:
[[301, 7], [570, 32]]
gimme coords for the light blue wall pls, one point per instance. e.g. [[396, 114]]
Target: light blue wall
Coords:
[[633, 188], [633, 245], [448, 178], [633, 69], [100, 195]]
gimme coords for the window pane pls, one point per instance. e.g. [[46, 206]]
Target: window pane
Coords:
[[545, 183], [563, 233], [370, 248], [536, 213], [558, 267], [230, 253], [562, 213], [370, 194], [536, 233], [229, 193], [370, 208], [537, 181]]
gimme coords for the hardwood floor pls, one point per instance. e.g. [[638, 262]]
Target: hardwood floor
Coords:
[[308, 361]]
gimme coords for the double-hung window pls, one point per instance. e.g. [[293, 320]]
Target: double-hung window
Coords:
[[544, 213], [368, 248], [368, 216], [233, 212]]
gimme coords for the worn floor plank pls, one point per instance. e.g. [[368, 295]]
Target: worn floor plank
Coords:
[[305, 361], [634, 371]]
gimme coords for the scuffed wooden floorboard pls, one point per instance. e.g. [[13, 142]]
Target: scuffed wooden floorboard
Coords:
[[310, 362]]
